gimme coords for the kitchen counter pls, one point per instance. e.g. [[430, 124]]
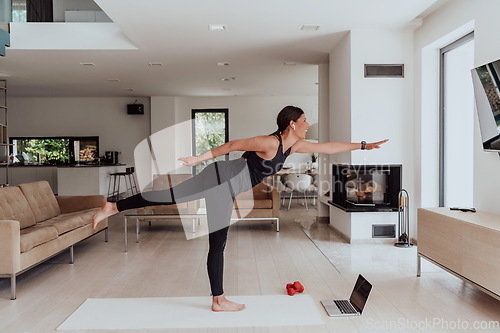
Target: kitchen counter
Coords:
[[67, 179], [86, 179], [65, 166]]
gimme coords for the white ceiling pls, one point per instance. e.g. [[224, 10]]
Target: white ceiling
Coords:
[[260, 36]]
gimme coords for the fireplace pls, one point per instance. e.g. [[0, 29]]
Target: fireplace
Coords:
[[366, 188]]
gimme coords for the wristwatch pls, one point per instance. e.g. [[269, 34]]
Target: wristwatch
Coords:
[[363, 145]]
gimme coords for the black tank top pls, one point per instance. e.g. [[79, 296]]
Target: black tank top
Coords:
[[260, 168]]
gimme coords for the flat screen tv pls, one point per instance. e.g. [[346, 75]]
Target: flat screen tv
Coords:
[[486, 83]]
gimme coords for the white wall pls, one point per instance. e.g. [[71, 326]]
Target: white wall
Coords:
[[382, 108], [5, 11], [340, 119], [60, 6], [325, 176], [340, 96], [371, 109], [248, 116], [439, 29], [105, 117]]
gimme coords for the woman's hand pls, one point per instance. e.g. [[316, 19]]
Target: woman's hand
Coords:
[[375, 145], [189, 161]]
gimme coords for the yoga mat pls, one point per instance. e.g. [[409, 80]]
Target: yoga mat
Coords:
[[192, 312]]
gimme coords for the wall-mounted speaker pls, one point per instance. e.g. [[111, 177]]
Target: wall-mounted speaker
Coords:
[[135, 108]]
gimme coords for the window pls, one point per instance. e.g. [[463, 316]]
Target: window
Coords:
[[456, 124], [210, 130], [18, 10], [55, 150]]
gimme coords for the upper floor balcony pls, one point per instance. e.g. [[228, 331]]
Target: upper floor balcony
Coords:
[[51, 11]]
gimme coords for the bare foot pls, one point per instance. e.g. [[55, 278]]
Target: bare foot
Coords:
[[221, 303], [108, 209]]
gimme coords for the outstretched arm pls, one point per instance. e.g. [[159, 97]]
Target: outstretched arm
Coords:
[[332, 147], [263, 144]]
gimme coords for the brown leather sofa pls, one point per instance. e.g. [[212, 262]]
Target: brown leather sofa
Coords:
[[35, 225], [260, 203], [166, 181]]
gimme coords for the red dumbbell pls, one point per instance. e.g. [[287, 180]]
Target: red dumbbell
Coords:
[[298, 286], [292, 288]]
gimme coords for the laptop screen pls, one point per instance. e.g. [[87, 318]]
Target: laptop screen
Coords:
[[360, 293]]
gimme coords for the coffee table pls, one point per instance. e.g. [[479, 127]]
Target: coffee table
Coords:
[[147, 214]]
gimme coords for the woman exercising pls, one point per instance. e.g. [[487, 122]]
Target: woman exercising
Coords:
[[220, 182]]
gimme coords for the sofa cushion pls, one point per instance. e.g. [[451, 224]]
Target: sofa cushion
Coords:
[[63, 223], [86, 214], [70, 221], [262, 192], [41, 199], [14, 206], [259, 192], [166, 181], [34, 236]]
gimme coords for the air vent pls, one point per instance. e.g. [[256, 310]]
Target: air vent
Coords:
[[384, 70], [383, 231]]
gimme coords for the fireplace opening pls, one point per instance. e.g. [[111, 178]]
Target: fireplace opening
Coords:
[[366, 187]]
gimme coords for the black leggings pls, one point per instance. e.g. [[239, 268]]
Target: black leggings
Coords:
[[218, 187]]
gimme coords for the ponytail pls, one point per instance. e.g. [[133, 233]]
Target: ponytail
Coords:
[[277, 132], [287, 114]]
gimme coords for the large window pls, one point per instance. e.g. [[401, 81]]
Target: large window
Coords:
[[55, 150], [19, 11], [457, 124], [210, 129]]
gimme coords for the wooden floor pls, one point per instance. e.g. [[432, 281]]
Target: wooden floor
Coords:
[[259, 261]]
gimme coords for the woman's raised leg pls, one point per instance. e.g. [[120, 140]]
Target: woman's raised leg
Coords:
[[191, 189]]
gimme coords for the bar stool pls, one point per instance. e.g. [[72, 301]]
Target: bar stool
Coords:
[[115, 179], [131, 179]]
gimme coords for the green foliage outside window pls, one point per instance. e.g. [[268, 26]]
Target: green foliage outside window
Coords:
[[44, 150], [210, 132]]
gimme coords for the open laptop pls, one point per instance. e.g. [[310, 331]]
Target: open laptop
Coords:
[[352, 307]]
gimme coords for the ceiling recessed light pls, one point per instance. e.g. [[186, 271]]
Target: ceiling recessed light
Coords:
[[155, 64], [89, 64], [226, 79], [129, 89], [222, 64], [113, 80], [309, 27], [216, 27], [289, 63]]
